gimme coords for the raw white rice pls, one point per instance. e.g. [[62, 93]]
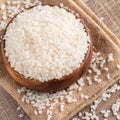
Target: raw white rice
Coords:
[[118, 66], [40, 101], [21, 115], [47, 43], [2, 7]]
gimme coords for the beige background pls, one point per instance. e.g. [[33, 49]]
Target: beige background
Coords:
[[108, 10]]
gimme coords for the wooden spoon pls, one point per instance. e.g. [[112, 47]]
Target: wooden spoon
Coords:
[[51, 85]]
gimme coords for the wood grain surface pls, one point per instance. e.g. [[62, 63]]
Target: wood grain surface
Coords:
[[109, 12]]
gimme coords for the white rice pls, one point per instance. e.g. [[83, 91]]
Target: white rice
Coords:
[[45, 43]]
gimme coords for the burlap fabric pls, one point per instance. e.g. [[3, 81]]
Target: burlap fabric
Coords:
[[104, 41]]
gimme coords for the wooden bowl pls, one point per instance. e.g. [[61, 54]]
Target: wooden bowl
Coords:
[[51, 85]]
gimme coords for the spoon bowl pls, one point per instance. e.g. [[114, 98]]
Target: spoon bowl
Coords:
[[51, 85]]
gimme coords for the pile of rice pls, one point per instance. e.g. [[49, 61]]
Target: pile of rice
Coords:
[[45, 43]]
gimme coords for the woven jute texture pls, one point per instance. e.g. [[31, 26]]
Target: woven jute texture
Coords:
[[104, 41]]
